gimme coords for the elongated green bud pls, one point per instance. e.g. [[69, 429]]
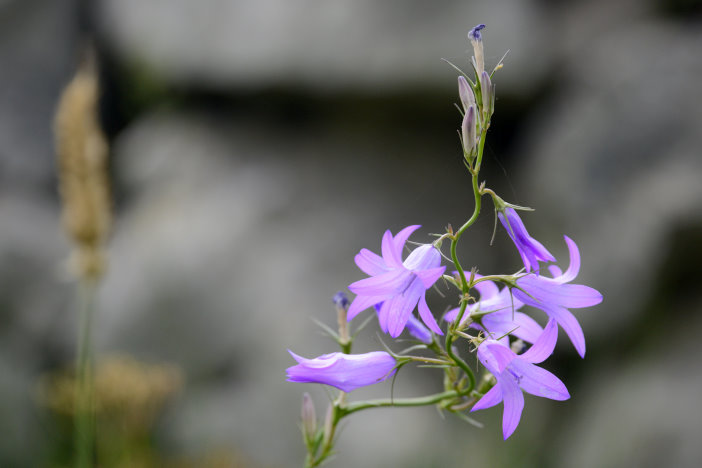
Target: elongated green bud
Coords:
[[309, 418], [486, 91]]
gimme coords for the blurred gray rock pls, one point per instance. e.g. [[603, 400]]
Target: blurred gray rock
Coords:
[[325, 46]]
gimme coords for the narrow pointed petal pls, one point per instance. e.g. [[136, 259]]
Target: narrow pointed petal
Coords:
[[431, 276], [418, 330], [490, 399], [427, 316], [361, 303], [540, 382], [555, 272], [544, 346], [570, 325], [370, 263], [386, 284], [529, 330], [400, 239], [574, 266], [579, 295], [392, 257], [546, 291], [383, 313], [514, 404]]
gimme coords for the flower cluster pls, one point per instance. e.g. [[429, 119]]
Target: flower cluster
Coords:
[[491, 319]]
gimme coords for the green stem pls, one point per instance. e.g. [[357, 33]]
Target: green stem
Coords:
[[465, 287], [84, 405], [402, 402]]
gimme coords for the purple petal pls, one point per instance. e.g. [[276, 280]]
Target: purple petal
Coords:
[[401, 238], [579, 295], [451, 315], [540, 382], [427, 316], [424, 257], [391, 255], [544, 346], [490, 399], [574, 266], [514, 404], [361, 303], [487, 289], [502, 354], [523, 326], [495, 356], [418, 330], [523, 236], [555, 272], [547, 291], [383, 313], [370, 263], [430, 276], [529, 248], [401, 307], [570, 325], [386, 284]]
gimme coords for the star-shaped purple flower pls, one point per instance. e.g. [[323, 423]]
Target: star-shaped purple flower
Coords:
[[399, 286], [531, 250], [346, 372], [554, 296], [515, 373]]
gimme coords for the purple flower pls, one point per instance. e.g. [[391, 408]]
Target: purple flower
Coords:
[[496, 314], [515, 373], [346, 372], [531, 250], [398, 285], [554, 296]]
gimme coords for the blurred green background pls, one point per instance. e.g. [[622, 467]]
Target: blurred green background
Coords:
[[257, 146]]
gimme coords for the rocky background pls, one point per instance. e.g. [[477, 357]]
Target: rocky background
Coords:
[[257, 146]]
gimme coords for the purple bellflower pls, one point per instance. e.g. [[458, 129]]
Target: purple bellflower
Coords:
[[554, 296], [496, 314], [531, 250], [515, 373], [396, 285], [346, 372]]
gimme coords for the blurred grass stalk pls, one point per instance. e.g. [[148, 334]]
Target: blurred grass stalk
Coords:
[[82, 150]]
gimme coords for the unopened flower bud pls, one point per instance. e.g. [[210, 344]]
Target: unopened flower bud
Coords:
[[476, 39], [340, 300], [486, 91], [328, 426], [466, 93], [309, 418], [468, 130]]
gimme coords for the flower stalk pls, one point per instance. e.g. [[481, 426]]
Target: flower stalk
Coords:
[[488, 316]]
